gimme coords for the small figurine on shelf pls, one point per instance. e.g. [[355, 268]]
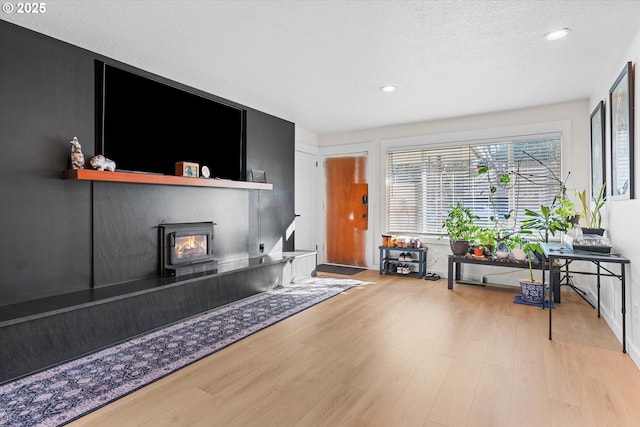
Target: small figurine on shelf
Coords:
[[101, 163], [77, 158]]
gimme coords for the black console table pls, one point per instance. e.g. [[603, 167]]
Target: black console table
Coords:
[[557, 252], [456, 261]]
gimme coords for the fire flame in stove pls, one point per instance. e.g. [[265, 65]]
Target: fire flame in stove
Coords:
[[191, 246]]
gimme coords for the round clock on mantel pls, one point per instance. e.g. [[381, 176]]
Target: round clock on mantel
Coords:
[[205, 172]]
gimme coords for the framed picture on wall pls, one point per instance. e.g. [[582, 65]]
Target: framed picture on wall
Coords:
[[621, 127], [598, 165]]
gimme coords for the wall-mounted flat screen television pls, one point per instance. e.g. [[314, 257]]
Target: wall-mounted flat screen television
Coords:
[[148, 126]]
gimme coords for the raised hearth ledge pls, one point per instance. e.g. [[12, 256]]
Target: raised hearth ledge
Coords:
[[149, 178], [35, 309], [42, 333]]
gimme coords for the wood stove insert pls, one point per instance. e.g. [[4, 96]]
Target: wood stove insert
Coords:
[[186, 248]]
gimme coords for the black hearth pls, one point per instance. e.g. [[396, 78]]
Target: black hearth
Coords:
[[186, 248]]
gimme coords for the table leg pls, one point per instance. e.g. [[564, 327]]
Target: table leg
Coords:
[[624, 310], [554, 280], [598, 286], [450, 274], [551, 286]]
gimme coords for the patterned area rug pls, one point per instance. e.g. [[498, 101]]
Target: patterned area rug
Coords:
[[61, 394]]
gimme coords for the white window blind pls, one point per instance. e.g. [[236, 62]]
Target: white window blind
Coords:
[[422, 183]]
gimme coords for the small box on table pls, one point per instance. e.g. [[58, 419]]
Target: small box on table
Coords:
[[189, 169]]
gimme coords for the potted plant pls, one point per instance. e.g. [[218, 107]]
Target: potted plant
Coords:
[[460, 228], [516, 244], [532, 290], [485, 238], [592, 216], [478, 251], [550, 219]]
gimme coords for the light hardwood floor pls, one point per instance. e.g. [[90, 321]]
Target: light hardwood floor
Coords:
[[403, 352]]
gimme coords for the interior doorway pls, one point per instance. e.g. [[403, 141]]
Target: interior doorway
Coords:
[[306, 201], [347, 210]]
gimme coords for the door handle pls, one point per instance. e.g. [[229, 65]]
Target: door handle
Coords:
[[364, 216]]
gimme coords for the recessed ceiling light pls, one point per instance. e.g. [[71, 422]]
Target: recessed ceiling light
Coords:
[[388, 88], [557, 34]]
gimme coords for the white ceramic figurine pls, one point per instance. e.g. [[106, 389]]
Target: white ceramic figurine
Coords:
[[77, 158], [101, 163]]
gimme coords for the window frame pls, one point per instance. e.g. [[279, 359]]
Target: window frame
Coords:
[[562, 129]]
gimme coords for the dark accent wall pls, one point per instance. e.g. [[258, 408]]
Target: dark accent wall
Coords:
[[60, 236], [271, 148]]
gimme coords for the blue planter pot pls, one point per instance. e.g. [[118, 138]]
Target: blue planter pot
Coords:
[[532, 292]]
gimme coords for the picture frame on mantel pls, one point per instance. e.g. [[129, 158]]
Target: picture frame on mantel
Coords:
[[598, 150], [258, 176], [621, 101]]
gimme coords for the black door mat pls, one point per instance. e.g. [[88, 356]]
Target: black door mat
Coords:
[[338, 269]]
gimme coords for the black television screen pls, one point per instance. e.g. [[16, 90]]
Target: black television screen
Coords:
[[148, 126]]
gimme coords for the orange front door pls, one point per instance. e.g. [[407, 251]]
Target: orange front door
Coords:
[[347, 210]]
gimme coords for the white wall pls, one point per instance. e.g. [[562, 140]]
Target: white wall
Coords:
[[307, 184], [306, 138], [619, 217], [572, 118]]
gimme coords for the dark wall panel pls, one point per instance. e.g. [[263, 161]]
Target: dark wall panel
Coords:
[[127, 216], [61, 236], [271, 148], [46, 98]]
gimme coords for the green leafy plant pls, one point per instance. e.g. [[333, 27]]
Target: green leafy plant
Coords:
[[460, 223], [486, 238], [531, 248], [551, 219], [547, 222], [494, 181], [515, 241], [592, 216]]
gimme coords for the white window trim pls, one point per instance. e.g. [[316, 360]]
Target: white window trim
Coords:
[[451, 139]]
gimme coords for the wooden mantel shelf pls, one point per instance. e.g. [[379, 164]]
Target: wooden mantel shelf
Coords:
[[148, 178]]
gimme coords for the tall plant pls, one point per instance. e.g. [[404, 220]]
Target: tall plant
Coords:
[[592, 216], [550, 219], [530, 248], [494, 182]]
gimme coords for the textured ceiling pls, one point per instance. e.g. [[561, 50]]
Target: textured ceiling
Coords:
[[320, 63]]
